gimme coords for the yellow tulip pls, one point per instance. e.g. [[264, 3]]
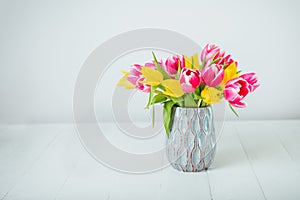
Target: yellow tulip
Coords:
[[172, 88], [229, 73], [123, 82], [192, 62], [152, 76], [211, 95]]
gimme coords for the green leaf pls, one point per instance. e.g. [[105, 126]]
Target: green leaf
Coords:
[[159, 98], [189, 101], [230, 106], [178, 101], [197, 93], [167, 115], [152, 88], [193, 62], [159, 68], [201, 87], [177, 76], [202, 64]]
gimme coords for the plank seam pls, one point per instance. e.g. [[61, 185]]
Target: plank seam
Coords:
[[251, 165]]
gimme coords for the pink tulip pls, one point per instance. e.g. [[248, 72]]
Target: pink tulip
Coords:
[[252, 81], [135, 77], [171, 65], [235, 91], [209, 51], [221, 59], [152, 65], [190, 79], [212, 75]]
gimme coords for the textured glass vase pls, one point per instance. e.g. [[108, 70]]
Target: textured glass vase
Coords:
[[191, 146]]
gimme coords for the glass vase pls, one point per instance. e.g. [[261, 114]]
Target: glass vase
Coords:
[[191, 146]]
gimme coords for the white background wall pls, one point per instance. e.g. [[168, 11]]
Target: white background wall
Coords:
[[44, 43]]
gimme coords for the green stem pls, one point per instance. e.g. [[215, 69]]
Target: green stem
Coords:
[[153, 115], [199, 102]]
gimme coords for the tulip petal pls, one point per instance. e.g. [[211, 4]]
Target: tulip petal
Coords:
[[123, 82], [207, 75], [238, 104], [171, 65], [252, 80], [190, 79], [192, 62], [152, 76], [172, 88], [218, 79], [211, 95], [230, 73], [230, 93], [195, 81], [187, 87]]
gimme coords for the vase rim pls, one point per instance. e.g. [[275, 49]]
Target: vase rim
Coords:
[[187, 108]]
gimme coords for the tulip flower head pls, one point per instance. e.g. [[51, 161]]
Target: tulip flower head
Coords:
[[190, 79], [235, 91], [212, 75], [172, 63]]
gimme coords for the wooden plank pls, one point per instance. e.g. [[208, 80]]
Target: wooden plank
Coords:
[[231, 175], [276, 171], [184, 185], [289, 135], [88, 180], [127, 185], [48, 172], [92, 180], [20, 147], [253, 159]]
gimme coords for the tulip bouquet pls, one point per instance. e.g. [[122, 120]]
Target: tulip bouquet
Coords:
[[191, 81]]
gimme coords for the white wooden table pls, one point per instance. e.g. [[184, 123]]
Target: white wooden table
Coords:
[[255, 160]]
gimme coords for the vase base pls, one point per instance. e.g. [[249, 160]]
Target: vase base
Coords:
[[203, 170], [188, 170]]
